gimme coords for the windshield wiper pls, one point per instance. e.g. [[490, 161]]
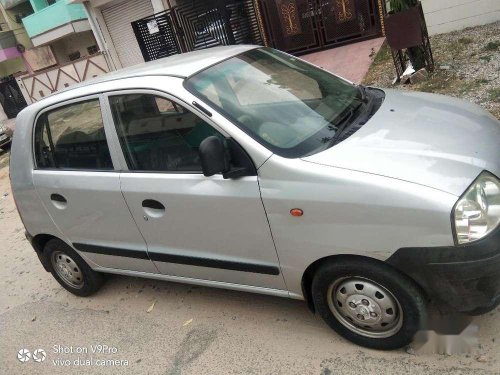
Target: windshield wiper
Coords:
[[364, 96], [343, 122]]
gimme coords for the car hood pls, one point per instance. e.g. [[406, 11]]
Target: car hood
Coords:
[[428, 139]]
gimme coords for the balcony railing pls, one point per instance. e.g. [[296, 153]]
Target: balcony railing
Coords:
[[53, 16]]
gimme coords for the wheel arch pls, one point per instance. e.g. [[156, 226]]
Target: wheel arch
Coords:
[[310, 271], [38, 242]]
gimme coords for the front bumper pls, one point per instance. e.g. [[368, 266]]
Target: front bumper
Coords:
[[464, 277]]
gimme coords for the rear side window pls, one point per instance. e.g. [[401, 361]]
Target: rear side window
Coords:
[[72, 137]]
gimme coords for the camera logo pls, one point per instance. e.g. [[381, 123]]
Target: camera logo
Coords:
[[23, 355], [39, 355]]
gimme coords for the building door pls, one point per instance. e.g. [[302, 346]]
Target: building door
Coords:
[[118, 19], [301, 26], [11, 97]]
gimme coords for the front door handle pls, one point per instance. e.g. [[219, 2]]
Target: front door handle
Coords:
[[153, 208], [154, 205]]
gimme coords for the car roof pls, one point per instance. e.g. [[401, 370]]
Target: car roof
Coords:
[[181, 65]]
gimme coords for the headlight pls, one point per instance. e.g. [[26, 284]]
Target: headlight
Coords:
[[3, 128], [477, 212]]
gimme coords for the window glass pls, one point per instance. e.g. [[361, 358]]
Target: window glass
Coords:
[[72, 137], [157, 134], [289, 106], [270, 82]]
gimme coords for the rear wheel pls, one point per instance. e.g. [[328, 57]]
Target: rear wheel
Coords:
[[70, 270], [369, 303]]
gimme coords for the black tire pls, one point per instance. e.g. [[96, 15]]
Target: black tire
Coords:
[[91, 281], [407, 294]]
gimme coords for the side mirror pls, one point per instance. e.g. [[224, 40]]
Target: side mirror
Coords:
[[213, 156]]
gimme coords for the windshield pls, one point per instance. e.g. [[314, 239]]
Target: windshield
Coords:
[[289, 106]]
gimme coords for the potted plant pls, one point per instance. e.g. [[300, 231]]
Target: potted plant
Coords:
[[405, 29]]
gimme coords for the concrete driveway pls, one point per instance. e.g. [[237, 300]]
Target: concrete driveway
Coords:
[[190, 330]]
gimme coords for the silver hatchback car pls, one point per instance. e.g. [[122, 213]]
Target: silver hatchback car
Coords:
[[249, 169]]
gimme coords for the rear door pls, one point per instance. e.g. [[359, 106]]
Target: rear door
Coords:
[[77, 178], [199, 227]]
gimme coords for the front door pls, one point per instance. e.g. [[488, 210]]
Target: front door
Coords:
[[195, 226], [76, 180]]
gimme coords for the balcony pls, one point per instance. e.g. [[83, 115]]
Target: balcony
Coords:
[[56, 21]]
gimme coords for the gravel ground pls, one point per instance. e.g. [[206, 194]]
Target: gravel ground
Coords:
[[467, 67]]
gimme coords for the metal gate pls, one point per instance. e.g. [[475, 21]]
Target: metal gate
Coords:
[[156, 35], [300, 26], [11, 97], [197, 24]]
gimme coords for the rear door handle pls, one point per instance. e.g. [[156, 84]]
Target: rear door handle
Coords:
[[58, 201], [153, 209], [58, 198]]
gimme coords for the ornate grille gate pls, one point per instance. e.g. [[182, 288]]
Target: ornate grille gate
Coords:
[[193, 25], [300, 26]]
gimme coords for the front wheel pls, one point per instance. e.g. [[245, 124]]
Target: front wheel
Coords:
[[369, 303]]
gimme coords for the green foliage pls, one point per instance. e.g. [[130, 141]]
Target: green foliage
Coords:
[[417, 56], [397, 6], [494, 94], [465, 41], [492, 46]]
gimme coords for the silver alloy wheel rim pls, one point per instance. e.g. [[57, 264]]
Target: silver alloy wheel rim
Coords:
[[365, 307], [67, 269]]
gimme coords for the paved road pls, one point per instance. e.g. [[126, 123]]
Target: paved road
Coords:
[[191, 330]]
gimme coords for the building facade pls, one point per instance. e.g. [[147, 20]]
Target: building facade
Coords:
[[44, 46], [51, 44], [64, 50], [443, 16], [13, 42], [133, 31]]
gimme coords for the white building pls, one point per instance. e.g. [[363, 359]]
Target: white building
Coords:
[[111, 22]]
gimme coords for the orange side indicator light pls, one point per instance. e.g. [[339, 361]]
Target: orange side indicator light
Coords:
[[296, 212]]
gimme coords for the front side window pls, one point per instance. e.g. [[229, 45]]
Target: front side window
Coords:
[[72, 137], [291, 107], [157, 134]]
